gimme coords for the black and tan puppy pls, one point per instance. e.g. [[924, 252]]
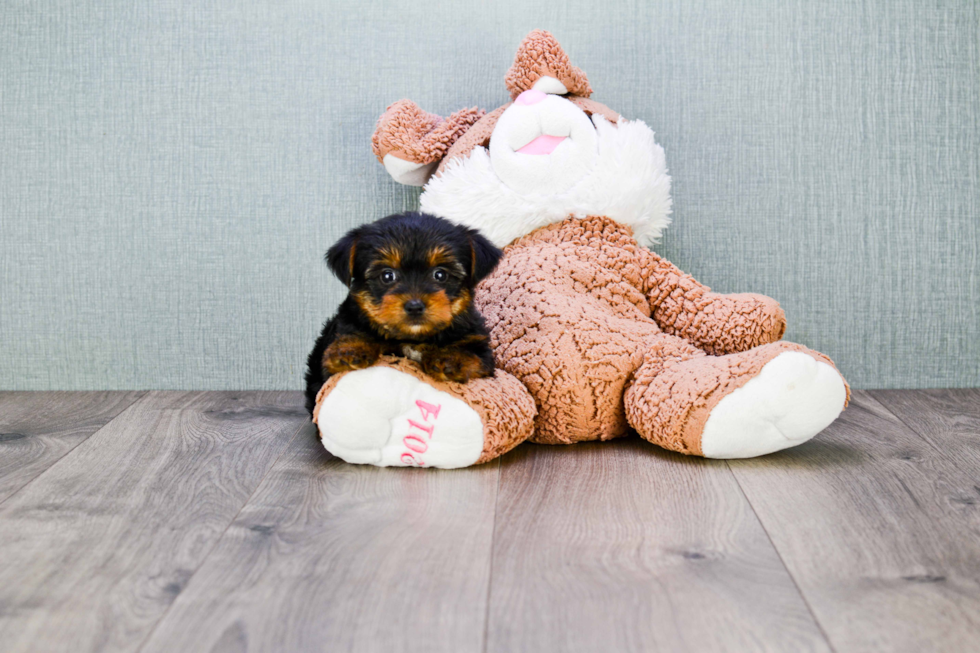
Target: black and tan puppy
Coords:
[[411, 278]]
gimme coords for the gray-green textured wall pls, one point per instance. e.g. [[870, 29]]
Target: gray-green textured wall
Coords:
[[171, 173]]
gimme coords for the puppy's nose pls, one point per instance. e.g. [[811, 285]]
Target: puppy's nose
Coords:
[[414, 307], [531, 97]]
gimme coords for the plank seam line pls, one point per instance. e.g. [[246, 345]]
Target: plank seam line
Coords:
[[138, 399], [779, 555], [218, 540], [493, 546], [872, 394]]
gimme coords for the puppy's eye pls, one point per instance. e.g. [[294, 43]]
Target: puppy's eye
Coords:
[[440, 275], [388, 276]]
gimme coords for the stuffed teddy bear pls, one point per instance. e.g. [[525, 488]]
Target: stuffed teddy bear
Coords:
[[594, 335]]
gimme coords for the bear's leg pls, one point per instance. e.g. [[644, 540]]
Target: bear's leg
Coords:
[[576, 361], [393, 415], [737, 406]]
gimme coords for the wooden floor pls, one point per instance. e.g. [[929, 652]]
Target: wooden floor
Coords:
[[205, 521]]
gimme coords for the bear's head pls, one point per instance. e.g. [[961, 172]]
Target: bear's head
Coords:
[[550, 153]]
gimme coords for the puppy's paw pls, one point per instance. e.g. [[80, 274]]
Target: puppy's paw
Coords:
[[348, 353], [453, 365]]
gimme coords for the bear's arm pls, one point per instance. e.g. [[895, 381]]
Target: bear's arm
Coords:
[[410, 142], [408, 132], [715, 323]]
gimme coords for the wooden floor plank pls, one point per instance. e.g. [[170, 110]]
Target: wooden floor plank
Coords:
[[335, 557], [38, 428], [948, 419], [880, 531], [97, 548], [621, 546]]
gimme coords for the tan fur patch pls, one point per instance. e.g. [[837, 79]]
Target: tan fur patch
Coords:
[[438, 308], [473, 337], [439, 256], [444, 258], [389, 316], [461, 303], [389, 257], [350, 353], [453, 364], [350, 260], [390, 312]]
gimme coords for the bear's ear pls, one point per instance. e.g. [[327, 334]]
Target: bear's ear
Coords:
[[484, 256], [340, 258], [410, 142], [542, 64]]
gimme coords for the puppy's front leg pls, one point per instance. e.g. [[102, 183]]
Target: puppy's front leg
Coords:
[[350, 352], [469, 358]]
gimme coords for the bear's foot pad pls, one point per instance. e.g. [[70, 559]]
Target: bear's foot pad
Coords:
[[793, 398], [381, 416]]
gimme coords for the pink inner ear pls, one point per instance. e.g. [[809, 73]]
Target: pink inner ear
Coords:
[[543, 144], [531, 96]]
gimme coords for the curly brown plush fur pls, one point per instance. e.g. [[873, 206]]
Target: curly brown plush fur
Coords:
[[604, 335]]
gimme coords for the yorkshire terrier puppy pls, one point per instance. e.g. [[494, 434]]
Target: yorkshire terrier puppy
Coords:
[[411, 278]]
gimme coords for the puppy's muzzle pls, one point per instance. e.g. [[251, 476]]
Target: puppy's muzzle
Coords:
[[414, 308]]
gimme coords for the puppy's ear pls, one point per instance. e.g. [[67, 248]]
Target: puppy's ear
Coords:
[[484, 256], [340, 258]]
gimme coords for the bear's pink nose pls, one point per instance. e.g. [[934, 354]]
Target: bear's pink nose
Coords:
[[531, 97]]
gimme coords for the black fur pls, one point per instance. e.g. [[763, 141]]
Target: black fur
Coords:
[[354, 259]]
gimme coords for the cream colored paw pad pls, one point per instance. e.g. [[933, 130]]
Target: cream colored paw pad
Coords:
[[380, 416], [793, 398]]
